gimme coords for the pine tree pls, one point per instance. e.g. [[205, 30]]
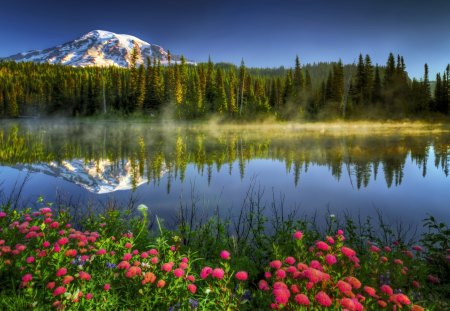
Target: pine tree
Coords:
[[338, 82], [242, 76], [376, 94], [438, 95], [426, 89], [369, 80], [298, 83], [308, 83]]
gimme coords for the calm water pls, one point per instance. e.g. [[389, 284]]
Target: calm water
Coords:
[[400, 172]]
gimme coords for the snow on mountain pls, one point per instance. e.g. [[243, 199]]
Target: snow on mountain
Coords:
[[96, 48], [98, 177]]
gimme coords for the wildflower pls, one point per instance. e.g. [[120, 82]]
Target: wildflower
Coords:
[[225, 255], [262, 285], [316, 265], [67, 279], [403, 299], [192, 288], [347, 303], [417, 248], [123, 265], [374, 249], [267, 275], [71, 253], [128, 245], [433, 279], [27, 278], [132, 271], [354, 282], [127, 256], [218, 273], [343, 287], [370, 291], [149, 277], [298, 235], [85, 276], [63, 241], [398, 262], [59, 291], [61, 272], [144, 255], [348, 251], [154, 260], [384, 259], [417, 308], [205, 272], [153, 252], [30, 259], [183, 265], [416, 284], [161, 284], [107, 287], [167, 267], [242, 276], [313, 275], [302, 300], [330, 259], [280, 274], [340, 232], [101, 251], [276, 264], [178, 272], [322, 246], [323, 299], [88, 296], [191, 278], [386, 289], [290, 260], [295, 289], [2, 214], [281, 293], [142, 208]]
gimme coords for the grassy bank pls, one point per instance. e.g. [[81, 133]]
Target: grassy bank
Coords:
[[112, 261]]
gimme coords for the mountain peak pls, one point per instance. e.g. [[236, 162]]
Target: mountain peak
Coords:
[[96, 48]]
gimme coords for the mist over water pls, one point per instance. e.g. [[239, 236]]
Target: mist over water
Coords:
[[397, 170]]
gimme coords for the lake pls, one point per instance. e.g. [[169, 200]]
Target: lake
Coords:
[[399, 171]]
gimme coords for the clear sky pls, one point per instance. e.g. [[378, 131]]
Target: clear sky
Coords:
[[266, 33]]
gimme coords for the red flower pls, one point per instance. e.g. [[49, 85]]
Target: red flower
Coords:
[[343, 287], [330, 259], [51, 285], [192, 288], [161, 284], [123, 265], [354, 282], [85, 276], [298, 235], [302, 300], [276, 264], [242, 276], [88, 296], [387, 289], [167, 267], [225, 255], [107, 287], [281, 293], [128, 245], [206, 271], [63, 241], [218, 273], [27, 278], [348, 251], [370, 291], [127, 256], [132, 271], [262, 285], [61, 272], [178, 272], [30, 259], [347, 303], [322, 246], [71, 253], [403, 299], [323, 299], [59, 291], [280, 274]]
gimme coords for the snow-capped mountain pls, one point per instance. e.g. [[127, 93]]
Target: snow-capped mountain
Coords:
[[96, 48], [98, 177]]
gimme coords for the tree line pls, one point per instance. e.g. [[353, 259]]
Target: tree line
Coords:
[[186, 91]]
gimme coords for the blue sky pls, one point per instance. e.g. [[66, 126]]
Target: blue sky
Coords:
[[266, 33]]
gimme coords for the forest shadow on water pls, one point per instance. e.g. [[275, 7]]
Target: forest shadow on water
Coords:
[[395, 170]]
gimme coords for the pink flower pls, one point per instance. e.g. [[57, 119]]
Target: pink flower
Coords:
[[348, 251], [263, 285], [323, 299], [61, 272], [225, 255], [374, 249], [144, 255], [205, 272], [242, 276], [302, 300], [398, 261], [161, 284], [387, 249], [347, 303], [46, 210], [128, 245], [290, 260], [417, 248], [322, 246], [30, 259], [154, 260], [280, 274], [153, 252], [101, 251], [298, 235], [330, 240], [340, 232], [330, 259], [281, 293], [370, 291], [2, 214], [178, 273], [107, 287], [71, 253], [132, 271], [183, 265], [54, 225], [85, 276], [59, 291], [27, 278], [127, 256], [51, 285], [46, 244], [218, 273], [267, 275], [192, 288], [276, 264], [167, 267], [387, 290], [123, 265], [88, 296], [344, 287], [185, 259]]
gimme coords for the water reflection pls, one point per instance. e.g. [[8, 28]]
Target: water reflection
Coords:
[[107, 157]]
